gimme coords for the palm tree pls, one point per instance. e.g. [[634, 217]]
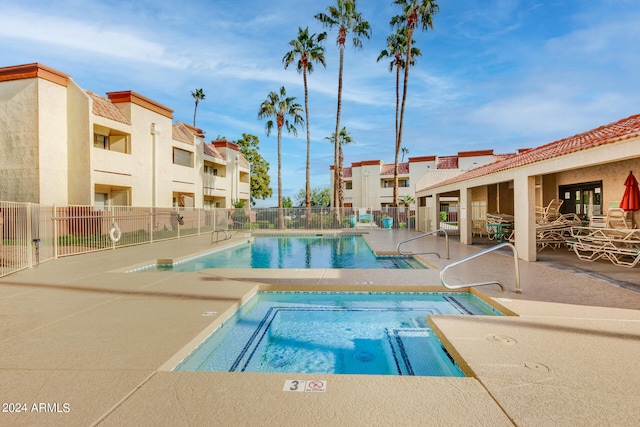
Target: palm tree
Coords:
[[343, 138], [396, 49], [198, 95], [405, 150], [414, 12], [279, 106], [406, 201], [308, 49], [344, 16]]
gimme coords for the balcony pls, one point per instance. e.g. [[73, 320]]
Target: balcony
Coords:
[[215, 186]]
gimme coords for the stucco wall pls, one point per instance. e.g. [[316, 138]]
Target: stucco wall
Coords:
[[19, 154], [80, 141], [139, 176], [53, 153]]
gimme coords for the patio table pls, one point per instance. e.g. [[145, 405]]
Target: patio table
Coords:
[[497, 230]]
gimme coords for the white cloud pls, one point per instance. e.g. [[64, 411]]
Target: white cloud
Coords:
[[110, 41]]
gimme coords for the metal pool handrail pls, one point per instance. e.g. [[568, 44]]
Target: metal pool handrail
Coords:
[[446, 237], [494, 282], [227, 235]]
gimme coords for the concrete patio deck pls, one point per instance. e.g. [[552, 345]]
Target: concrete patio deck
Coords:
[[84, 343]]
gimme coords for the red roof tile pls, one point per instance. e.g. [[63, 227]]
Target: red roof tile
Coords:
[[223, 145], [613, 132], [103, 107], [211, 150], [182, 133], [447, 162], [347, 172], [403, 169]]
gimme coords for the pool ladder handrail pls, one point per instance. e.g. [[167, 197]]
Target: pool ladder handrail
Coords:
[[227, 235], [493, 282], [446, 237]]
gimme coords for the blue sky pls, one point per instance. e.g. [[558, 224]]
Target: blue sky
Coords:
[[494, 74]]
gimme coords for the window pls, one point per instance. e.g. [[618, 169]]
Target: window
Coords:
[[101, 141], [112, 141], [348, 185], [584, 199], [182, 157], [210, 170], [101, 201]]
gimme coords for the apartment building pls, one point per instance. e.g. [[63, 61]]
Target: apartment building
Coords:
[[369, 183], [61, 144]]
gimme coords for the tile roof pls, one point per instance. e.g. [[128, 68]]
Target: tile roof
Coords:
[[223, 145], [618, 131], [194, 130], [403, 168], [211, 150], [103, 107], [182, 133], [243, 161], [447, 162]]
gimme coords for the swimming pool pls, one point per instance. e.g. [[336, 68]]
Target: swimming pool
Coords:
[[295, 251], [335, 333]]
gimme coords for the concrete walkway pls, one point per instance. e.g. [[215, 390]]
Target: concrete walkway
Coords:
[[84, 343]]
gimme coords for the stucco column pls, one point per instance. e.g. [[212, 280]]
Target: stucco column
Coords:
[[464, 216], [524, 188], [435, 223], [155, 131]]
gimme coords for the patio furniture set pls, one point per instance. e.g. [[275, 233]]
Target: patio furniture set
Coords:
[[611, 237], [620, 246]]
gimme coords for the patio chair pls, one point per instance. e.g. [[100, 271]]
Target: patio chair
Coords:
[[549, 213], [557, 233], [617, 219], [478, 227]]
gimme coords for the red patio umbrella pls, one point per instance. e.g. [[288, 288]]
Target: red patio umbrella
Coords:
[[631, 199]]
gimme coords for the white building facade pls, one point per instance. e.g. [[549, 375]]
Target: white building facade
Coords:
[[369, 183], [63, 145]]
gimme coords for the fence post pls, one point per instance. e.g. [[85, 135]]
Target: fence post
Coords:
[[55, 232], [178, 221], [28, 243], [151, 225]]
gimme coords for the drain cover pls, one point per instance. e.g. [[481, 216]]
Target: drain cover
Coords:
[[364, 356]]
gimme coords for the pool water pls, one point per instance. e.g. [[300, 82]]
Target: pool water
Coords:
[[335, 333], [316, 251]]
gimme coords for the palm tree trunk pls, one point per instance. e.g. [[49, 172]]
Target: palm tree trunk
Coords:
[[404, 100], [397, 99], [307, 196], [336, 151], [341, 173], [395, 167], [280, 213]]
